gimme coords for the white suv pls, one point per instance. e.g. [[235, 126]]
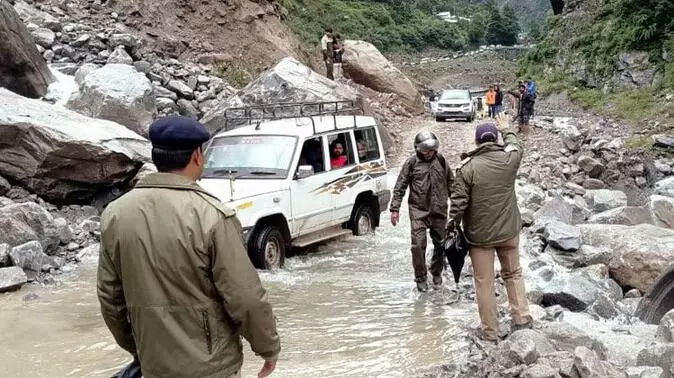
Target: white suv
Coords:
[[455, 103], [298, 179]]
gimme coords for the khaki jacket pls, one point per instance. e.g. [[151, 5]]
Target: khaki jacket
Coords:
[[483, 194], [175, 283], [429, 183]]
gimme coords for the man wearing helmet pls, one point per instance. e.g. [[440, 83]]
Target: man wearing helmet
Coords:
[[429, 179]]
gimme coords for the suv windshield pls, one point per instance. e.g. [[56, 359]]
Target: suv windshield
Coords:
[[251, 156], [455, 95]]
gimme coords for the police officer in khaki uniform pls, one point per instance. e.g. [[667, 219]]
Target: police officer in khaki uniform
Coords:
[[484, 200], [176, 287]]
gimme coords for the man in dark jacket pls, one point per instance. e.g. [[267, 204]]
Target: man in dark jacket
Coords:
[[429, 179], [483, 198], [175, 283]]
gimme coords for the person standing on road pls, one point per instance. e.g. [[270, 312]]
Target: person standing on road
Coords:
[[327, 47], [524, 107], [491, 101], [429, 179], [176, 286], [483, 199], [498, 102]]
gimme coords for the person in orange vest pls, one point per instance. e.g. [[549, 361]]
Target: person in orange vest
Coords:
[[491, 101]]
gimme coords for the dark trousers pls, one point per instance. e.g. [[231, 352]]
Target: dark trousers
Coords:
[[419, 228], [329, 67]]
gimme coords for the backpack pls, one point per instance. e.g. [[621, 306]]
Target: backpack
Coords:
[[532, 88], [442, 161]]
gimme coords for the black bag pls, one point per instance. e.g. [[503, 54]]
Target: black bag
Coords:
[[456, 248], [131, 370]]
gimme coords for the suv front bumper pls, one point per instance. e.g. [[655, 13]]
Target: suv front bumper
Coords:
[[453, 114]]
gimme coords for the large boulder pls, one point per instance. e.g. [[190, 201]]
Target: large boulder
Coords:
[[25, 222], [119, 93], [640, 253], [562, 236], [30, 257], [625, 215], [288, 81], [529, 196], [61, 155], [12, 278], [22, 68], [365, 65], [576, 290], [604, 199]]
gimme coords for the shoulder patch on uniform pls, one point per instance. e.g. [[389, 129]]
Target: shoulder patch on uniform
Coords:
[[511, 148], [464, 162], [224, 210]]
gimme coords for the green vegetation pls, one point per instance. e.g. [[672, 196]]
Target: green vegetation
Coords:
[[234, 73], [404, 25], [611, 27], [579, 53], [532, 14], [629, 105]]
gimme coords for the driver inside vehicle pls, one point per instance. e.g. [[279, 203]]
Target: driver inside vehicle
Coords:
[[312, 155]]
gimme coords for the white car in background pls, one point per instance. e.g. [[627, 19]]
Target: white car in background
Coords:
[[286, 183], [454, 104]]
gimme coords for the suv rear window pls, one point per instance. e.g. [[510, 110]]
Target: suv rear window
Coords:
[[368, 145], [252, 156]]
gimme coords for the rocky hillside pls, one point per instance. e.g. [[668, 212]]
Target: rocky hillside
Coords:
[[608, 44], [226, 31], [212, 32]]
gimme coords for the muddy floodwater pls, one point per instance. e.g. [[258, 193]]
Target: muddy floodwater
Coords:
[[348, 308]]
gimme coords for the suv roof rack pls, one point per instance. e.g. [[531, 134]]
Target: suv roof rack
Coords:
[[247, 115]]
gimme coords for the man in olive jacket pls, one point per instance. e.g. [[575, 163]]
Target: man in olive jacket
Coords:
[[176, 287], [483, 198], [429, 179]]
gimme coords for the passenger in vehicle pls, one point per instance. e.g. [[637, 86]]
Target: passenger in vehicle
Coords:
[[362, 151], [337, 157]]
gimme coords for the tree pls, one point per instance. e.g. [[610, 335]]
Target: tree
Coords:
[[511, 26], [535, 31]]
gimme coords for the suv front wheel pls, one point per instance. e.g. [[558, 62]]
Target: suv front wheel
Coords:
[[267, 248], [363, 220]]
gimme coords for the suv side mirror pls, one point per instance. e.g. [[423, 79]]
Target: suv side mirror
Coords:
[[304, 171]]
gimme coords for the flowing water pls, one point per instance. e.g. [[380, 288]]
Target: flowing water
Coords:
[[349, 308]]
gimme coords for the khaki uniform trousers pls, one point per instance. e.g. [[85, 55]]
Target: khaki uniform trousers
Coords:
[[482, 258]]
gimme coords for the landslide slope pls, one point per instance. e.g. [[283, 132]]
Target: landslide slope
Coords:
[[235, 31]]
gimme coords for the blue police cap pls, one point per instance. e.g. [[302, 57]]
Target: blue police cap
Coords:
[[177, 133]]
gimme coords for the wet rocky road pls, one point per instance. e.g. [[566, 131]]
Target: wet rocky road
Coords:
[[348, 308]]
